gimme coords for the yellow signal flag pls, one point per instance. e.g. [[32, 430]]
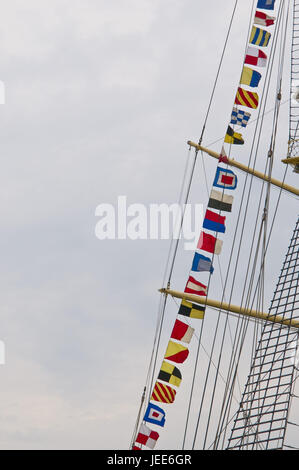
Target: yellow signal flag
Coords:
[[247, 98], [191, 310], [233, 137], [170, 374], [176, 352]]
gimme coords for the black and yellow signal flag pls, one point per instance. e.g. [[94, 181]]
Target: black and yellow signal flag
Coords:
[[233, 137], [170, 374], [191, 310]]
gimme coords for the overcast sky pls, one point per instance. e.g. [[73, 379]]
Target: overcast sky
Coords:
[[101, 98]]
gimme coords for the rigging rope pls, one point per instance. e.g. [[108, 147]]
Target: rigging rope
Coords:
[[196, 152], [260, 287], [160, 319], [218, 72], [226, 322], [262, 241], [260, 278]]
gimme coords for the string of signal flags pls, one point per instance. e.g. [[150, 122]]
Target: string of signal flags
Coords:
[[170, 377], [250, 77]]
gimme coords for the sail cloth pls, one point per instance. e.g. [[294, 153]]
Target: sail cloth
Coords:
[[163, 393], [191, 310], [225, 179], [195, 287], [266, 4], [263, 19], [176, 352], [182, 332], [209, 243], [250, 77], [255, 57], [155, 415], [259, 37], [147, 437], [232, 137], [247, 98], [201, 263], [220, 201], [170, 374], [214, 222]]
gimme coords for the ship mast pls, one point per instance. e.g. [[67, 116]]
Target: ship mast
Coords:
[[293, 152], [263, 413], [262, 416]]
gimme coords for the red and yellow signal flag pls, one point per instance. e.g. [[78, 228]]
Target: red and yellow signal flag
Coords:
[[247, 98], [163, 393], [176, 352]]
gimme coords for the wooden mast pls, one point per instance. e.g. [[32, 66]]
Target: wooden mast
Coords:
[[222, 305], [231, 308], [245, 168]]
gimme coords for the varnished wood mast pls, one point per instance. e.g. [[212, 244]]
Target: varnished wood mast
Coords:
[[222, 305], [231, 308], [245, 168]]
